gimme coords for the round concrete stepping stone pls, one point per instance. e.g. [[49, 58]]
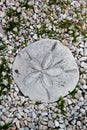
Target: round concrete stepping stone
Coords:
[[45, 70]]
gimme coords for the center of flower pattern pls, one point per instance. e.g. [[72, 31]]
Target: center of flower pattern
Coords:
[[44, 71]]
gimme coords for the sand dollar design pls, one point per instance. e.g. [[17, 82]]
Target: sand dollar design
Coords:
[[45, 70]]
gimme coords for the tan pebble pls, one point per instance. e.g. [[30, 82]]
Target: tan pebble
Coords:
[[25, 122], [25, 116], [22, 99], [13, 128], [82, 81], [21, 123], [84, 26], [65, 42]]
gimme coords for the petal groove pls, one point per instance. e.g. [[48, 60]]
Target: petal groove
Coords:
[[54, 71], [32, 78]]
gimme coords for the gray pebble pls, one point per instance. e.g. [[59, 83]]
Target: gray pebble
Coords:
[[51, 124]]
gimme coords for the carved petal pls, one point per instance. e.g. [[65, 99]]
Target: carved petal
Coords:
[[31, 78], [33, 62], [47, 61], [54, 71], [46, 81], [56, 63]]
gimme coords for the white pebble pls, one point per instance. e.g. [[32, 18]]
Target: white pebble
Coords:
[[2, 14], [35, 36], [41, 106], [26, 111], [85, 86], [82, 111], [56, 123], [17, 124], [44, 113], [33, 115], [78, 123]]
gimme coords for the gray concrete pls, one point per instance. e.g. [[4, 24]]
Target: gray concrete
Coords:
[[45, 70]]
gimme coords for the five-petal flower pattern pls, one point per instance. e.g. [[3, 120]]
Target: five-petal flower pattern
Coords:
[[43, 71]]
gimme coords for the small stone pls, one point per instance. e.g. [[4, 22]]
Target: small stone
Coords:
[[2, 122], [81, 98], [29, 119], [80, 103], [42, 127], [82, 81], [2, 14], [62, 126], [13, 128], [69, 101], [80, 49], [33, 115], [21, 123], [32, 33], [22, 99], [61, 121], [35, 16], [81, 46], [75, 114], [25, 115], [50, 124], [50, 116], [35, 36], [17, 124], [16, 88], [41, 106], [81, 70], [3, 117], [26, 111], [65, 42], [1, 34], [83, 58], [31, 124], [85, 65], [73, 121], [18, 116], [78, 123], [1, 3], [85, 51], [44, 113], [54, 115], [21, 113], [26, 128], [1, 31], [82, 64], [82, 111], [85, 86], [19, 9], [44, 122], [1, 107], [15, 94], [45, 119], [56, 123]]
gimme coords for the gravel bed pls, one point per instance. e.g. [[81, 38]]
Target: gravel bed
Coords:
[[24, 22]]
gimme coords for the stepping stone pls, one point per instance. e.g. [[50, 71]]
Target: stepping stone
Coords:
[[45, 70]]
